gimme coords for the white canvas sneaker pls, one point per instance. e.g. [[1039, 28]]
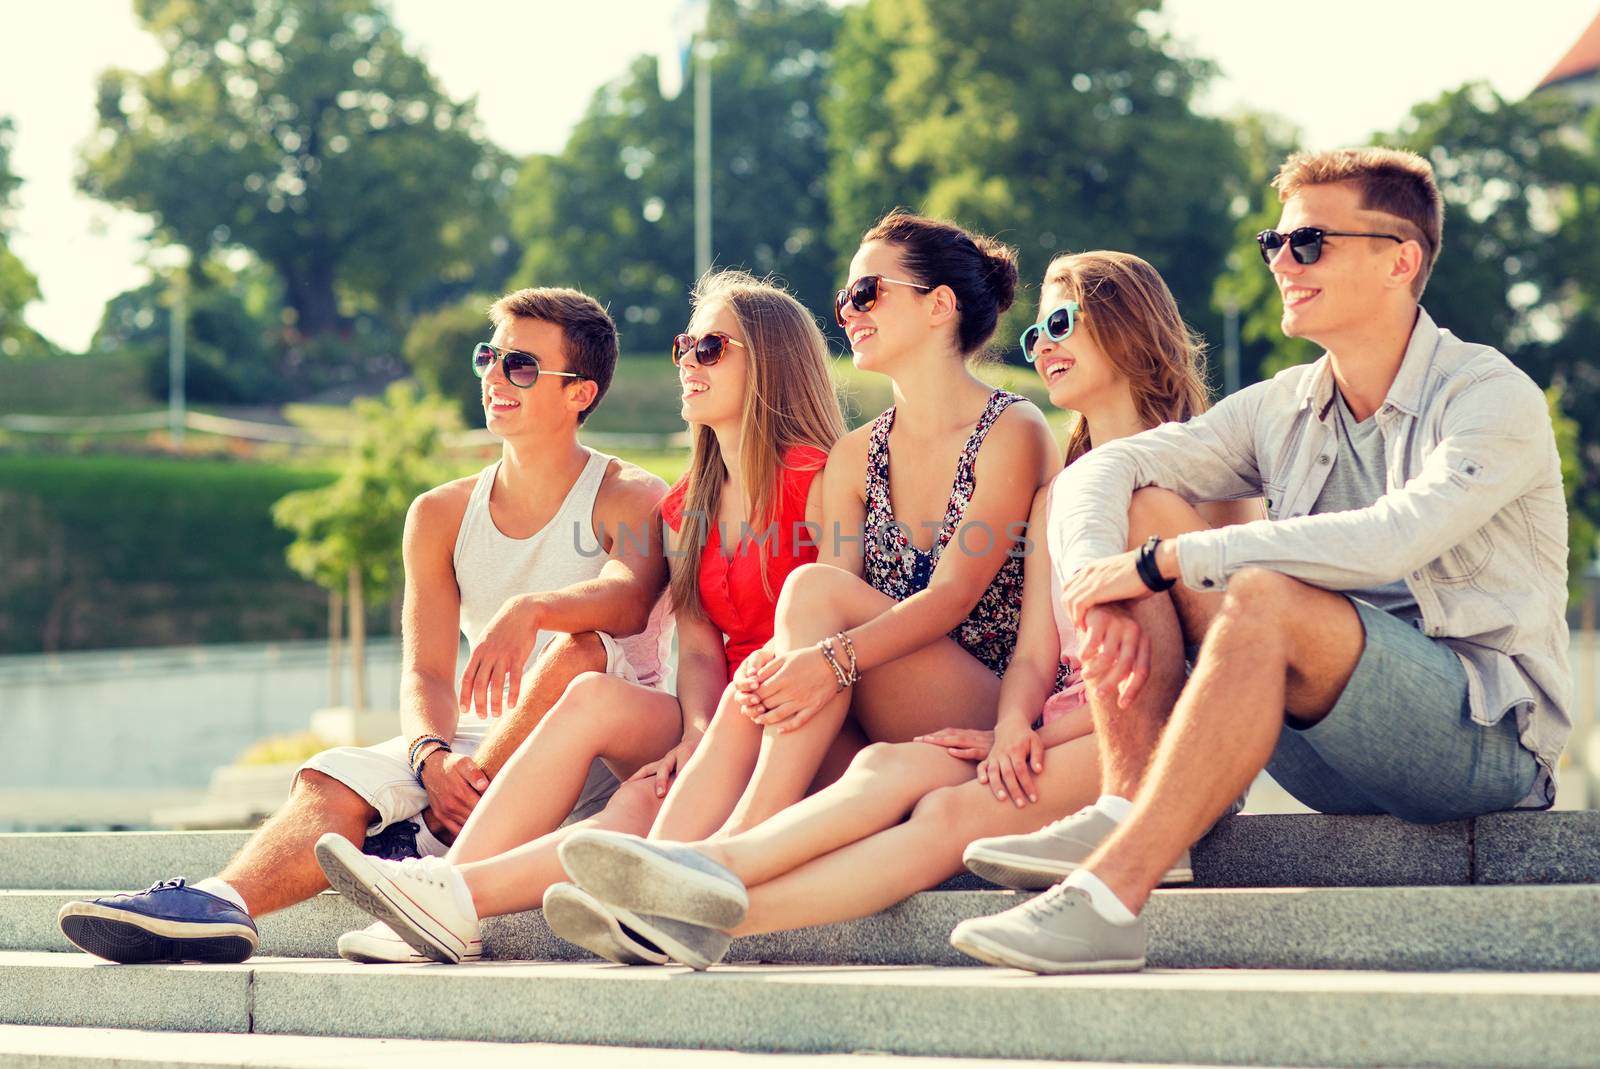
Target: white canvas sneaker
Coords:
[[376, 944], [416, 898], [1057, 932]]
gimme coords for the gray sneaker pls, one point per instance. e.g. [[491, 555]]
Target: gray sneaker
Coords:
[[578, 917], [1045, 857], [644, 876], [695, 945], [1056, 932]]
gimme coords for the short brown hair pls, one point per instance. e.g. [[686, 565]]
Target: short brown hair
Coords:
[[590, 333], [1392, 181]]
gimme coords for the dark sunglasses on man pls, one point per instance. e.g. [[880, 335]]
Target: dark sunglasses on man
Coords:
[[864, 292], [522, 369], [1305, 242], [707, 348]]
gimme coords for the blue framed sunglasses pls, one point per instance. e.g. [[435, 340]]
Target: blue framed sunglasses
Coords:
[[1057, 326]]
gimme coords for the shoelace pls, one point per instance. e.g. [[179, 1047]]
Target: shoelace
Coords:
[[164, 885], [1050, 903], [1057, 825]]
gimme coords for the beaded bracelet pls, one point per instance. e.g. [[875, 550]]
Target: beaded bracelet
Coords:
[[416, 744], [850, 649], [826, 646]]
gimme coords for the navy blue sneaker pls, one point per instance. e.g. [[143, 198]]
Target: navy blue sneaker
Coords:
[[396, 842], [170, 922]]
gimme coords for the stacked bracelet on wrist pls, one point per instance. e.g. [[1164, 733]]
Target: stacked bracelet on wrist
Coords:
[[1149, 571], [843, 676], [419, 753]]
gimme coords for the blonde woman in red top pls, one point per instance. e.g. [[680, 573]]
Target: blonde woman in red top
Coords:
[[757, 394]]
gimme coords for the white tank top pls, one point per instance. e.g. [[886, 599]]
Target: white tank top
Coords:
[[491, 567]]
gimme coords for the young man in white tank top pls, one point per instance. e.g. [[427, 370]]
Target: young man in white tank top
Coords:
[[548, 562]]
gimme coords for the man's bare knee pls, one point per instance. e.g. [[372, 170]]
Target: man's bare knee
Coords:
[[323, 790], [1261, 594], [1154, 511], [582, 651]]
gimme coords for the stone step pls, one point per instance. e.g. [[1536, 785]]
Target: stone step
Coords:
[[1512, 929], [1224, 1017], [1269, 850], [44, 1047]]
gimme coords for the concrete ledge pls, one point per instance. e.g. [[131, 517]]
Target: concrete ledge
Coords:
[[1315, 850], [1537, 847], [1211, 1017], [1276, 850], [40, 1047], [75, 989], [125, 860], [1512, 929]]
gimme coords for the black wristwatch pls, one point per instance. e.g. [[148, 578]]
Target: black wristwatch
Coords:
[[1149, 572]]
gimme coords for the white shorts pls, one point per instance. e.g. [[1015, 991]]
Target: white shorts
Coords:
[[381, 776]]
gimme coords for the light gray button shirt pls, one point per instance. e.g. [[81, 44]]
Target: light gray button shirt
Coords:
[[1473, 519]]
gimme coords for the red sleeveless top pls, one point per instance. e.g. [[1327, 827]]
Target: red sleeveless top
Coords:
[[731, 591]]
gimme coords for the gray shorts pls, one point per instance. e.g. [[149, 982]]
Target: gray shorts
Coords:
[[1401, 738]]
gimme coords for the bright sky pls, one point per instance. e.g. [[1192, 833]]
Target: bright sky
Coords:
[[1339, 71]]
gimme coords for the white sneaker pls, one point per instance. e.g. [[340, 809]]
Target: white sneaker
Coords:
[[376, 944], [416, 898]]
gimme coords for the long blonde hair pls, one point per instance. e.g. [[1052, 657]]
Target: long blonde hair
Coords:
[[1126, 307], [789, 400]]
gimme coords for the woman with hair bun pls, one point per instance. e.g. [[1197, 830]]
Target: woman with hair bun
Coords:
[[908, 620]]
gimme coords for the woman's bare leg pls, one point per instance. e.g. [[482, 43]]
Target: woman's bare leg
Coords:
[[883, 784], [876, 872], [706, 790], [517, 879], [941, 685], [598, 715]]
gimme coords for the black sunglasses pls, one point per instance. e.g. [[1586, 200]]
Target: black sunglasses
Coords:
[[522, 369], [864, 292], [1305, 242], [707, 349]]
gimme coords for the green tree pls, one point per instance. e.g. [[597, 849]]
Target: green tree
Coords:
[[304, 131], [233, 352], [1057, 126], [18, 287], [613, 212], [348, 533], [438, 349], [1247, 286]]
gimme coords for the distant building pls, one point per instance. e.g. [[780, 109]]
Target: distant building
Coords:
[[1577, 74]]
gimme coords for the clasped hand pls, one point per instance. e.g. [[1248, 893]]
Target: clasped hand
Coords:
[[1114, 649], [784, 690]]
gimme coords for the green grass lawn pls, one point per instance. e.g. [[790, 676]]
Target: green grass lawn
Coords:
[[103, 549]]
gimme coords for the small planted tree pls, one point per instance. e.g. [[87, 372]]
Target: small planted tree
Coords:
[[348, 532]]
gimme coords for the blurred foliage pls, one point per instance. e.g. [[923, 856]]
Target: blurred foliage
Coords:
[[438, 349], [1582, 533], [18, 287], [1264, 141], [233, 351], [283, 749], [613, 212], [356, 522], [1055, 127], [304, 131]]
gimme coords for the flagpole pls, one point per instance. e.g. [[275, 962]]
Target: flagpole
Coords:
[[702, 158]]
